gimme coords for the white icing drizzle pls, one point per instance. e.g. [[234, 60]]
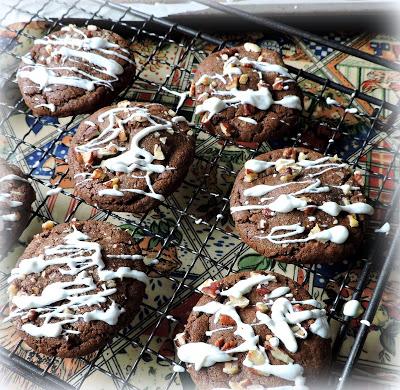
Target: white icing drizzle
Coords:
[[213, 106], [260, 165], [230, 67], [245, 331], [321, 327], [314, 187], [135, 158], [9, 217], [262, 99], [244, 286], [54, 191], [182, 96], [178, 368], [334, 209], [286, 371], [274, 341], [336, 234], [6, 198], [50, 106], [311, 302], [12, 177], [123, 272], [385, 228], [266, 67], [278, 292], [110, 192], [82, 50], [126, 257], [248, 120], [75, 256], [286, 203], [278, 324], [210, 332], [202, 355], [352, 308], [205, 77], [283, 316], [331, 102]]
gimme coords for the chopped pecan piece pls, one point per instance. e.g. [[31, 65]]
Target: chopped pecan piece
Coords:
[[225, 320], [229, 345]]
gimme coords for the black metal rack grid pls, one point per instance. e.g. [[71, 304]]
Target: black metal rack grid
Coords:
[[142, 334]]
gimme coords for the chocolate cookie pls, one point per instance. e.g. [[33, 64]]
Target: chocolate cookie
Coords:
[[16, 198], [75, 70], [296, 205], [129, 157], [245, 93], [75, 286], [255, 331]]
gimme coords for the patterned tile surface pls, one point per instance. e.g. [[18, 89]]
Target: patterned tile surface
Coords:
[[202, 245]]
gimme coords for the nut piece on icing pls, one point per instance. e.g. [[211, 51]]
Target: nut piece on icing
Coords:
[[352, 221], [280, 355], [256, 357], [158, 153], [48, 225], [231, 368], [252, 47]]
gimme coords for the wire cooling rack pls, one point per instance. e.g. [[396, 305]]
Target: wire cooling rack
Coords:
[[199, 188]]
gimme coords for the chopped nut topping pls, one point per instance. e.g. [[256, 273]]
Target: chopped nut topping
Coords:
[[250, 176], [226, 128], [232, 85], [88, 157], [302, 156], [229, 345], [158, 153], [115, 181], [210, 288], [252, 47], [244, 78], [280, 355], [352, 220], [219, 342], [314, 230], [262, 307], [345, 201], [358, 178], [192, 90], [98, 174], [180, 339], [111, 283], [278, 84], [123, 103], [231, 368], [241, 302], [12, 290], [226, 320], [48, 225], [122, 136], [32, 315], [256, 357], [290, 153]]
